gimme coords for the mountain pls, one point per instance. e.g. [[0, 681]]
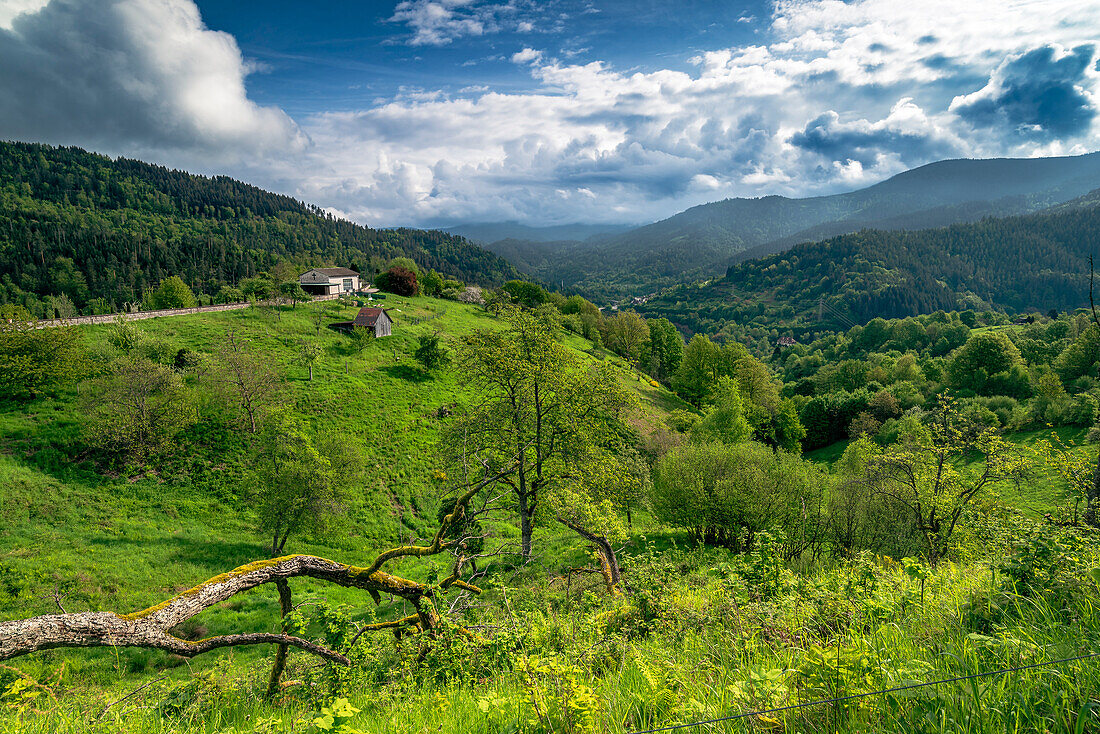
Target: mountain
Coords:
[[702, 241], [90, 226], [1021, 263], [489, 232]]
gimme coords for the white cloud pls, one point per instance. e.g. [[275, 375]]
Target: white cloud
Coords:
[[440, 22], [833, 95], [527, 56], [133, 76]]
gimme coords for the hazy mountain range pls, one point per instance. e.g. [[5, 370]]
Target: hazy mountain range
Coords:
[[703, 241]]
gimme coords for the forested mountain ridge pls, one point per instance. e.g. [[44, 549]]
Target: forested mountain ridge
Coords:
[[1022, 263], [88, 226], [702, 241]]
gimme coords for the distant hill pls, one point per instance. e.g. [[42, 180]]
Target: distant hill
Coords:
[[90, 226], [489, 232], [702, 241], [1022, 263]]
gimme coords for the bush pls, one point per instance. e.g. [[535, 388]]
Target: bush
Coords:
[[173, 293], [727, 493], [398, 280]]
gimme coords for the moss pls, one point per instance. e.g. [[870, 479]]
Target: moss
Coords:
[[239, 571]]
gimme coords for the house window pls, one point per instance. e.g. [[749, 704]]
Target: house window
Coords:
[[347, 284]]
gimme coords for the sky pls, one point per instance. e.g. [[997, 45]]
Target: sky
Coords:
[[439, 112]]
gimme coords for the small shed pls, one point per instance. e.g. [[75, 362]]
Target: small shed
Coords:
[[376, 319]]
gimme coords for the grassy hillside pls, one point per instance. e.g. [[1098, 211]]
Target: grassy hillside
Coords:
[[91, 227], [703, 632]]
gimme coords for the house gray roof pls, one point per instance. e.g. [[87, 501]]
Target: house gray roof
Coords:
[[369, 316], [336, 271]]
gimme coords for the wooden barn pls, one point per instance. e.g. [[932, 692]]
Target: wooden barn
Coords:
[[375, 319]]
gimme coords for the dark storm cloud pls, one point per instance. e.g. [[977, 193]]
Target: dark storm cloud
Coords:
[[1039, 94]]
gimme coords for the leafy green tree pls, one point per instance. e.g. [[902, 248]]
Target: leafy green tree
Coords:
[[1080, 357], [139, 407], [229, 294], [665, 350], [309, 353], [927, 472], [725, 422], [361, 338], [703, 363], [431, 353], [526, 293], [36, 361], [625, 333], [173, 293], [727, 493], [431, 283], [258, 289], [983, 356], [539, 409], [292, 291]]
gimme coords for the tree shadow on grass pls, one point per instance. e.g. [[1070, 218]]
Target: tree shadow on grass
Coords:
[[216, 556], [406, 372]]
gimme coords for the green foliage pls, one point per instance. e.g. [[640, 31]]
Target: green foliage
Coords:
[[173, 293], [982, 360], [360, 338], [35, 361], [302, 480], [726, 494], [725, 421], [138, 408], [431, 353], [525, 293]]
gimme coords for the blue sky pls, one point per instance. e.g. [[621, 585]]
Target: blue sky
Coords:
[[433, 112], [345, 55]]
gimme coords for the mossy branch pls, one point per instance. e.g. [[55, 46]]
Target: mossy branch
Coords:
[[149, 627]]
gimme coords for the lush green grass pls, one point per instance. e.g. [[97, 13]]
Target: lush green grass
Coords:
[[125, 537], [706, 633]]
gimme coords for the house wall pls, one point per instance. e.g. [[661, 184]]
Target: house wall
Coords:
[[382, 327]]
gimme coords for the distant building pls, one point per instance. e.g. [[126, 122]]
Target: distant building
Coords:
[[329, 281], [787, 341], [375, 319]]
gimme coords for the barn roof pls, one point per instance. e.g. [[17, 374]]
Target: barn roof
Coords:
[[368, 316], [336, 271]]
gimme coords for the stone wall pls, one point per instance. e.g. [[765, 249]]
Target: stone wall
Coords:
[[109, 318]]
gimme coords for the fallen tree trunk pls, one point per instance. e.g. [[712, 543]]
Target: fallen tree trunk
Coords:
[[150, 627]]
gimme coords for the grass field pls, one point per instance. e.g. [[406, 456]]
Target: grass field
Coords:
[[85, 536]]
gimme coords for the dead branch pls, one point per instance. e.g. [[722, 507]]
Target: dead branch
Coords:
[[149, 627]]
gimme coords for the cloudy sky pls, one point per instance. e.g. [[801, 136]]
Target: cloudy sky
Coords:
[[433, 112]]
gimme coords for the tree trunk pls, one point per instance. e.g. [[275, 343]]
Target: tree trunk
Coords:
[[149, 627], [525, 526], [285, 607], [609, 561], [1093, 498]]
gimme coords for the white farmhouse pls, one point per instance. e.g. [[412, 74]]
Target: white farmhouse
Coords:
[[329, 281]]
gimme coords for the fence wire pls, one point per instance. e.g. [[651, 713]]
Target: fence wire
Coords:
[[854, 696]]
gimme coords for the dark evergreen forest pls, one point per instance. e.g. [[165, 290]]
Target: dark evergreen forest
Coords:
[[90, 227]]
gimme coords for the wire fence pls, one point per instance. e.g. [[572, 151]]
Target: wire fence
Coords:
[[855, 696]]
